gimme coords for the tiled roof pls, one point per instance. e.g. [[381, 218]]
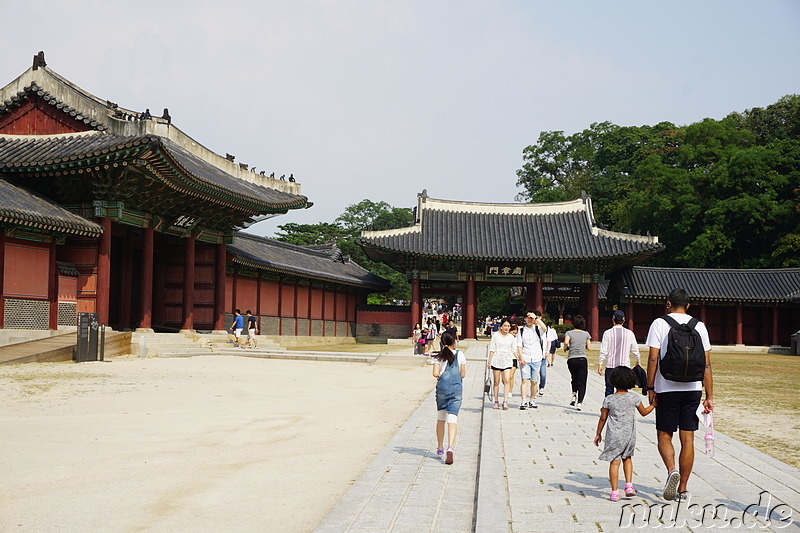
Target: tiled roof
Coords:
[[710, 285], [46, 152], [541, 232], [22, 207], [316, 262], [33, 89]]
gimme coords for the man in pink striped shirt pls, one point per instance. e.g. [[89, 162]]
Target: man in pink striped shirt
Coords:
[[615, 348]]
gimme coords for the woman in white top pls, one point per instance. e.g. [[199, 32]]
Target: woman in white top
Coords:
[[502, 351]]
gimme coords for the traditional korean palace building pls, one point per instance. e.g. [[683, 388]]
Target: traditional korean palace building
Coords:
[[738, 306], [560, 255], [109, 210], [555, 250]]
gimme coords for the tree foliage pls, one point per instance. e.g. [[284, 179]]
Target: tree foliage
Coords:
[[718, 193], [343, 232]]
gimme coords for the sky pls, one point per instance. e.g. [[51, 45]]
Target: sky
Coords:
[[379, 100]]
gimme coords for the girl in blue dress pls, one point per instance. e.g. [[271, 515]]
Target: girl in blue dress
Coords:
[[449, 367]]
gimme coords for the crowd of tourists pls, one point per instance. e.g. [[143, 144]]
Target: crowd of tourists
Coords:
[[678, 370]]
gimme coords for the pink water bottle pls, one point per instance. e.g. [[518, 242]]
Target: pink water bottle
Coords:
[[709, 438]]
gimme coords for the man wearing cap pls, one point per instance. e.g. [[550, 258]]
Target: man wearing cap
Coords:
[[615, 348]]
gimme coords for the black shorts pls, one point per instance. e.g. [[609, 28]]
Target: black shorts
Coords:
[[514, 363], [501, 369], [678, 410]]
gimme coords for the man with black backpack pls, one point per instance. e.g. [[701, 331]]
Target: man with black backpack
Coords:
[[678, 369]]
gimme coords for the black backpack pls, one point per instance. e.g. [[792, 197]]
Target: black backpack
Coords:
[[685, 359]]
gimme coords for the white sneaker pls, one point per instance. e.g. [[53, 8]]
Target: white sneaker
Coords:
[[541, 392], [532, 404], [578, 407], [574, 399], [510, 395]]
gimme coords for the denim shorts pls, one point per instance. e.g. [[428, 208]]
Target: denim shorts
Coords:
[[531, 371]]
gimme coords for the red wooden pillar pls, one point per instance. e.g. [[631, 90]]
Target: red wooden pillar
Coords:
[[52, 287], [335, 306], [468, 329], [126, 284], [416, 304], [188, 283], [538, 301], [146, 295], [219, 287], [629, 316], [159, 281], [2, 278], [294, 313], [739, 325], [104, 270], [775, 340], [594, 312], [703, 313]]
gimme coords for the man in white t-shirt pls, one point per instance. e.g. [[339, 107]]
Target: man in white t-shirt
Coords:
[[676, 402], [531, 340]]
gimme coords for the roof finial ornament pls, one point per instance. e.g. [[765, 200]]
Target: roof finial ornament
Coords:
[[230, 157], [283, 177], [584, 196], [146, 115], [166, 116], [272, 175], [291, 178], [38, 61], [424, 193]]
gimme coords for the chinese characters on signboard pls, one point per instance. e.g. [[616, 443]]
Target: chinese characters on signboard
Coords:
[[501, 270]]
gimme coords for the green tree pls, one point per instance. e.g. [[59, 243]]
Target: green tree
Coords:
[[364, 215], [718, 193], [322, 233]]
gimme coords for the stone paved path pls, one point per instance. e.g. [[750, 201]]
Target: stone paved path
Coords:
[[537, 470]]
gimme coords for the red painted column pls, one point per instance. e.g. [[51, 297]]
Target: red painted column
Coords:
[[538, 301], [703, 313], [775, 340], [104, 271], [594, 312], [219, 287], [416, 304], [146, 295], [335, 302], [188, 283], [159, 281], [310, 301], [2, 278], [126, 284], [294, 313], [739, 325], [52, 288], [468, 329], [629, 316]]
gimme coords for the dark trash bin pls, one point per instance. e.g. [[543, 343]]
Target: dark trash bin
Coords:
[[795, 344]]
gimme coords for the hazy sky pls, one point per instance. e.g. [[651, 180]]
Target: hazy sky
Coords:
[[379, 100]]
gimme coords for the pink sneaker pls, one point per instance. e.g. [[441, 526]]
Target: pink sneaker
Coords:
[[629, 490], [614, 495]]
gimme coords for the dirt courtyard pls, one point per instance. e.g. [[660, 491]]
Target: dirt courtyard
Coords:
[[192, 444]]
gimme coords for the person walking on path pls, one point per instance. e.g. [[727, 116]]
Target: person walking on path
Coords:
[[252, 328], [618, 410], [237, 326], [615, 348], [550, 339], [676, 401], [449, 368], [502, 350], [416, 334], [531, 340], [576, 342]]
